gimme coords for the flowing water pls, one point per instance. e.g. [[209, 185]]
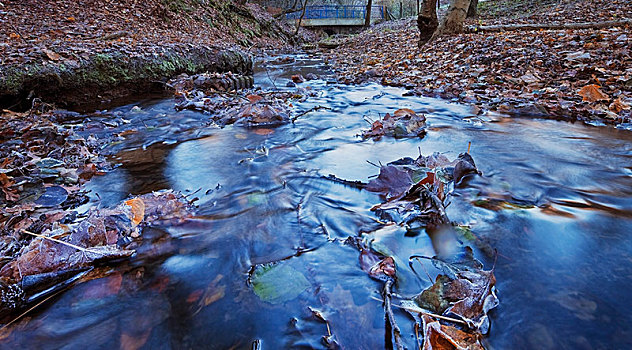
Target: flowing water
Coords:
[[554, 199]]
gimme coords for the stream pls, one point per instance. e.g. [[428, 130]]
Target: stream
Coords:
[[554, 199]]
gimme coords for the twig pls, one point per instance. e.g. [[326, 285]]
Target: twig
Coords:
[[269, 78], [355, 184], [58, 241], [17, 31], [388, 311], [417, 335], [81, 249], [309, 111], [31, 309], [422, 311]]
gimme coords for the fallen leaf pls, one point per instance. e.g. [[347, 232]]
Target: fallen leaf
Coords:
[[138, 210], [52, 55], [278, 283], [442, 337], [618, 106], [592, 93], [392, 182], [254, 98], [377, 265]]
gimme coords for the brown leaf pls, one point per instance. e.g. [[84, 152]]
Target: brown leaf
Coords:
[[592, 93], [254, 98], [52, 55], [475, 291], [618, 105], [442, 337], [138, 210], [376, 265], [392, 182], [403, 112]]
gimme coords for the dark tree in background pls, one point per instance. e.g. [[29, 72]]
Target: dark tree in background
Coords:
[[367, 18], [472, 11], [427, 21]]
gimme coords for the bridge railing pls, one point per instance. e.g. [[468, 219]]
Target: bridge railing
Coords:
[[333, 11]]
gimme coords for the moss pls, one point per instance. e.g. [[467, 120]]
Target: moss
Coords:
[[111, 75], [176, 5]]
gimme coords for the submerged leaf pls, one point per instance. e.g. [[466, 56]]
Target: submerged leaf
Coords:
[[278, 283], [377, 265]]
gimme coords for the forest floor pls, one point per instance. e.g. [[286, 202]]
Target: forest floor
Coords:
[[566, 74]]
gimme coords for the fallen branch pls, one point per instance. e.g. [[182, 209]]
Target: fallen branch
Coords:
[[390, 317], [313, 109], [548, 26], [355, 184]]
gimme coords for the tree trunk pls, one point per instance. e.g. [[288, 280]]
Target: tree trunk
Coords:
[[427, 21], [300, 20], [472, 11], [367, 17], [452, 23]]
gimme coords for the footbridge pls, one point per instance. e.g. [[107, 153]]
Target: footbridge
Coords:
[[332, 16]]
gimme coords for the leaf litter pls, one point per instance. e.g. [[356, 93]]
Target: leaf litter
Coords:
[[45, 243], [573, 74], [229, 100]]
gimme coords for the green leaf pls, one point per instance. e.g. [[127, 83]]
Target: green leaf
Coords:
[[278, 283]]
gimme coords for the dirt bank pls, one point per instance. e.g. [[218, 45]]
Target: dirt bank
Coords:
[[70, 53]]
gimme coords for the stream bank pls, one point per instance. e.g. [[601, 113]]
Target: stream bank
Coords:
[[106, 77], [85, 52], [573, 75]]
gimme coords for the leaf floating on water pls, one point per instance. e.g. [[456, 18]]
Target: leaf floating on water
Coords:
[[466, 291], [403, 123], [278, 283], [433, 298], [392, 182]]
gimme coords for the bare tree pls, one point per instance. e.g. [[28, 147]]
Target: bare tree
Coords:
[[300, 20], [367, 17]]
